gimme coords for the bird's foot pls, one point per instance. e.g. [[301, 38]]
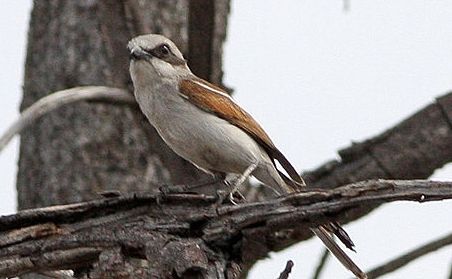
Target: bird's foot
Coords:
[[234, 199]]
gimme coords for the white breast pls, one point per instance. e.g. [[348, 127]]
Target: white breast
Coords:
[[202, 138]]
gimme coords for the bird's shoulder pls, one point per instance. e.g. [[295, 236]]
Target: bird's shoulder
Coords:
[[214, 99]]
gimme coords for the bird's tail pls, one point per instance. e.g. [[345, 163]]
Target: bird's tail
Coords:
[[274, 178]]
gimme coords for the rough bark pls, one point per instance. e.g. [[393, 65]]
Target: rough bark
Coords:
[[81, 149], [207, 33], [178, 235]]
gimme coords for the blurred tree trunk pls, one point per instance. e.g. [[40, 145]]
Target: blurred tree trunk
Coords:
[[80, 150], [86, 148]]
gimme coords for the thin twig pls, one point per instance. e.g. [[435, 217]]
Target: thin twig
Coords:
[[322, 263], [287, 270], [450, 274], [60, 98], [410, 256]]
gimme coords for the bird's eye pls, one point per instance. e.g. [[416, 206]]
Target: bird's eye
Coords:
[[164, 49]]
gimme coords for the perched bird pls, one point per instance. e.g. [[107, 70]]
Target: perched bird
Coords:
[[201, 123]]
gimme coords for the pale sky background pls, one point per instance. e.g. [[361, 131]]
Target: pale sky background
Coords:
[[316, 77]]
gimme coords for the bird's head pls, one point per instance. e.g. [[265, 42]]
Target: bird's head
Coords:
[[154, 54]]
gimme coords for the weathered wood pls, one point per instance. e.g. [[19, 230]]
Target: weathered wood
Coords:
[[178, 234], [60, 98]]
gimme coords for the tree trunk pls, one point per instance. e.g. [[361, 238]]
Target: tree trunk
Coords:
[[80, 150], [86, 148]]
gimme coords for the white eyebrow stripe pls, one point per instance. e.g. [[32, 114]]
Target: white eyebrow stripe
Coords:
[[212, 89]]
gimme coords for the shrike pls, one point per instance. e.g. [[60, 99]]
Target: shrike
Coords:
[[201, 123]]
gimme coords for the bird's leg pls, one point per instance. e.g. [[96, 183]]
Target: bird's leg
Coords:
[[237, 183]]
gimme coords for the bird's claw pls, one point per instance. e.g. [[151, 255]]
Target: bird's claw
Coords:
[[232, 199]]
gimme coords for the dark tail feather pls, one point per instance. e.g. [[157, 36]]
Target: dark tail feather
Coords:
[[293, 174], [294, 185], [341, 234]]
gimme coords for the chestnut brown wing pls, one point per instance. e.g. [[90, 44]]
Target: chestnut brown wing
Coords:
[[213, 99]]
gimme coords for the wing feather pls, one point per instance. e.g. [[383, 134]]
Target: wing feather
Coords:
[[213, 99]]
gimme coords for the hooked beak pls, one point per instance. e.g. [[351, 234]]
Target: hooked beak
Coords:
[[137, 53]]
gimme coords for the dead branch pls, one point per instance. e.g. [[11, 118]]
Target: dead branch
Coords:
[[450, 274], [413, 149], [287, 270], [322, 263], [61, 98], [179, 233], [410, 256]]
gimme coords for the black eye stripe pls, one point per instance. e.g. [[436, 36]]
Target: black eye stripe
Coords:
[[165, 53], [161, 51]]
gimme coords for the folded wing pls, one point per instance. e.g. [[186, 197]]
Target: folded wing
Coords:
[[211, 98]]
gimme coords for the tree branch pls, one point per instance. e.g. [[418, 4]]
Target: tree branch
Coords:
[[287, 270], [409, 257], [61, 98], [450, 274], [413, 149], [157, 228], [322, 263]]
